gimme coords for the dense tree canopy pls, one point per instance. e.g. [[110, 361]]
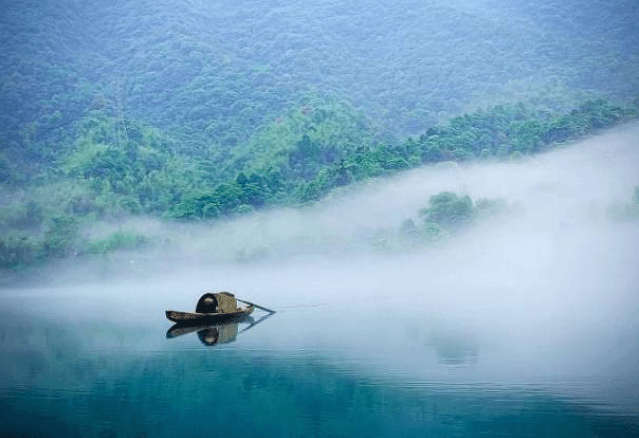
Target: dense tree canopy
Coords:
[[111, 170], [210, 110], [214, 74]]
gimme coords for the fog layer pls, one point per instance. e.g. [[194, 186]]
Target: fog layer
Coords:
[[558, 196], [558, 213], [546, 291]]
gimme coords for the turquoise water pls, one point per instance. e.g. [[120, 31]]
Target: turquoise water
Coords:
[[101, 365]]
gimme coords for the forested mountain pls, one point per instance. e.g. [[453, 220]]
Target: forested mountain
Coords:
[[213, 72], [199, 109]]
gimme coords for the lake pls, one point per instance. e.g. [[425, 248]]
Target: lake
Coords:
[[372, 347]]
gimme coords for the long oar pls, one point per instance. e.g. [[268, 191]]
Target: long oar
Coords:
[[255, 305]]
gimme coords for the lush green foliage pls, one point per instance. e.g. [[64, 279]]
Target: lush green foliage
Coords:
[[446, 215], [115, 168], [214, 74], [500, 133], [217, 109], [117, 241], [448, 210]]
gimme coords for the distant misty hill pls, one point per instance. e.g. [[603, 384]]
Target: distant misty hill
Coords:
[[212, 72]]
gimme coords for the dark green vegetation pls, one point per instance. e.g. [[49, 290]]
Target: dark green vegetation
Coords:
[[110, 174], [446, 215], [207, 110], [211, 73]]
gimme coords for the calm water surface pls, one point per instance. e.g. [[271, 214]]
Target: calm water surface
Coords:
[[96, 361]]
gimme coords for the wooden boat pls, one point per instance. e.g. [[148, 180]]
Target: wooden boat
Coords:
[[215, 307], [199, 318]]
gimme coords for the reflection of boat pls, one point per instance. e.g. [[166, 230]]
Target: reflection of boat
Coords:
[[212, 307], [210, 334], [221, 332]]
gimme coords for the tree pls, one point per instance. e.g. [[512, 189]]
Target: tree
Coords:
[[59, 238], [448, 209]]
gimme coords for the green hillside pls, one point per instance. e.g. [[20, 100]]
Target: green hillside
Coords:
[[201, 110], [212, 73]]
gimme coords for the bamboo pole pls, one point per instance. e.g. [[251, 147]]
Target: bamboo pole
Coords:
[[255, 305]]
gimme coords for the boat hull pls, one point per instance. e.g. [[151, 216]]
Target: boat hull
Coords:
[[191, 318]]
